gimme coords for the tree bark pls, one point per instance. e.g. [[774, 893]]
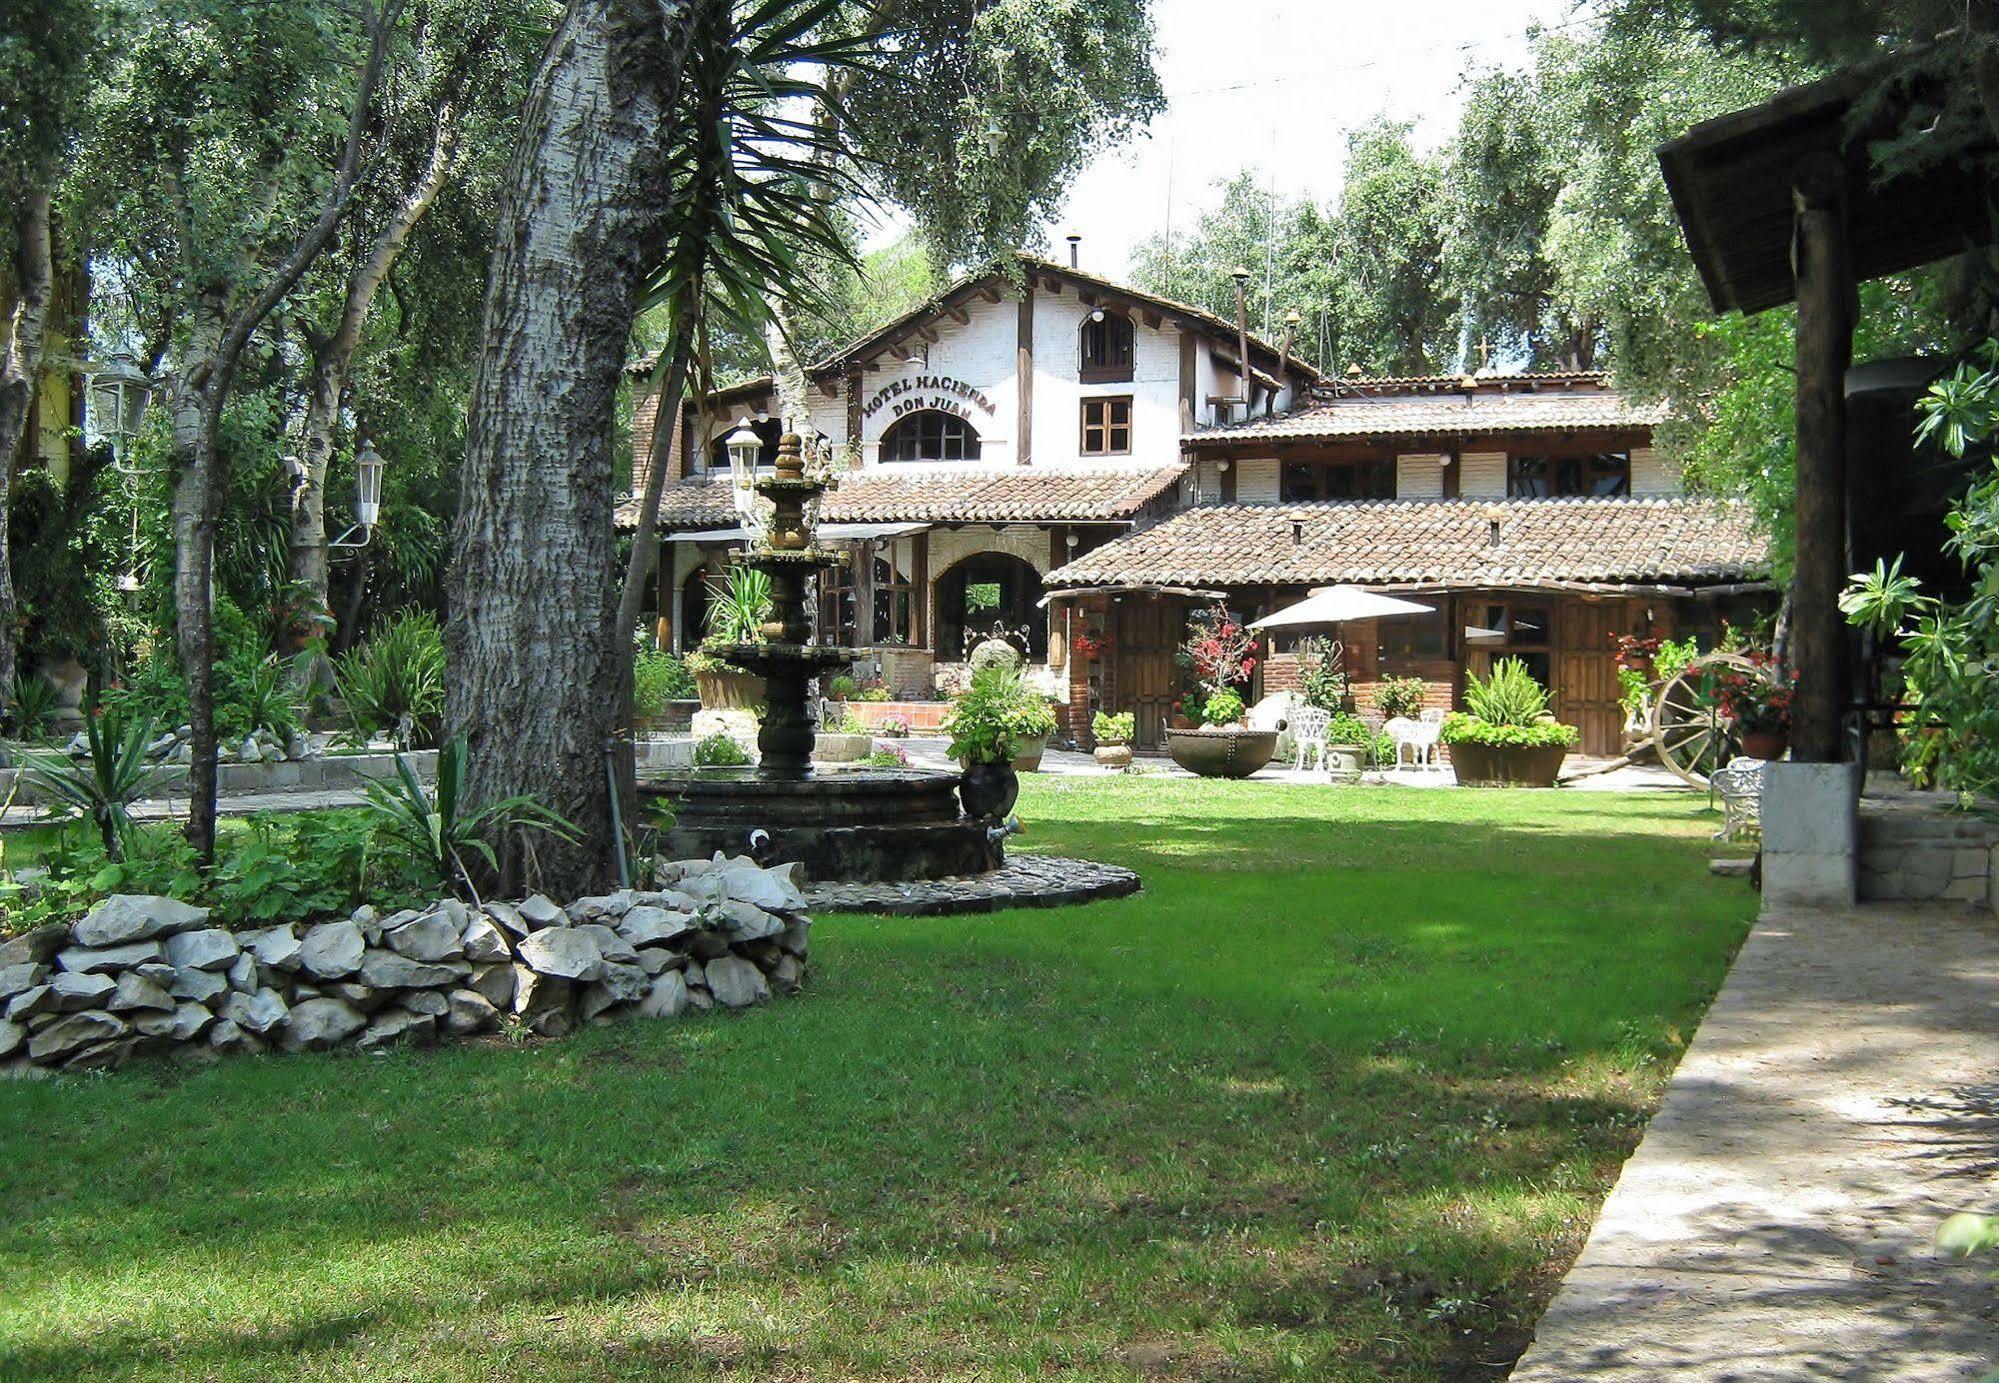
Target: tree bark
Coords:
[[26, 288], [533, 642], [307, 561], [199, 475]]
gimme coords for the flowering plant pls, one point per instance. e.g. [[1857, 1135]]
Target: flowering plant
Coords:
[[1091, 644], [1635, 654], [1219, 650], [1758, 700]]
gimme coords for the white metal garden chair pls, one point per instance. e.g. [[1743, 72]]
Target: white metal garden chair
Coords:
[[1417, 738], [1740, 788], [1308, 732]]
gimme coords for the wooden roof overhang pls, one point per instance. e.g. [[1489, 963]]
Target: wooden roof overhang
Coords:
[[1389, 445], [1732, 180]]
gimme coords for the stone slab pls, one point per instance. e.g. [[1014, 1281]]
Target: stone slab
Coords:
[[1778, 1220], [1026, 881]]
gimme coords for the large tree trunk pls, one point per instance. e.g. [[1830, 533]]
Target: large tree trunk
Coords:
[[26, 287], [307, 561], [533, 641]]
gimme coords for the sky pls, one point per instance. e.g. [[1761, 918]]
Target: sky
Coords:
[[1276, 85]]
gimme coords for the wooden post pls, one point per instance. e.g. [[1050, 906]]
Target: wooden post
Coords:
[[864, 593], [1023, 375], [1825, 348]]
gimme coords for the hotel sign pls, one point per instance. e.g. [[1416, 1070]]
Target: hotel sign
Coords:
[[939, 392]]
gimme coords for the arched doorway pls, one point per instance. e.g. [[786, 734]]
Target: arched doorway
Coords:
[[988, 589]]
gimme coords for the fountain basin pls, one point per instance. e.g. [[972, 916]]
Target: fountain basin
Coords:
[[872, 825]]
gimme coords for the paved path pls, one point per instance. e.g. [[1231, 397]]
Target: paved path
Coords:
[[1840, 1100]]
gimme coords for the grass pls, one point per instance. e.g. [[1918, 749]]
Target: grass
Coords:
[[1334, 1098]]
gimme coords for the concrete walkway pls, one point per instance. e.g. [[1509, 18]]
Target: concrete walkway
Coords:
[[1777, 1222]]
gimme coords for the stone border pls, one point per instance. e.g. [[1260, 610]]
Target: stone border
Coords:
[[330, 772], [1026, 881]]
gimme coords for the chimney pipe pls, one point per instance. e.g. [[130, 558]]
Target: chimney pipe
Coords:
[[1075, 259], [1241, 277]]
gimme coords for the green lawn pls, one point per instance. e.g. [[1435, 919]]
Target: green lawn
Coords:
[[1334, 1098]]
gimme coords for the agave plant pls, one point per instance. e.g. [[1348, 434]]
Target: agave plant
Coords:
[[434, 830], [740, 608], [31, 706], [104, 786]]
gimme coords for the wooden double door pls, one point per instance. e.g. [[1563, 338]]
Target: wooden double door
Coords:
[[1144, 680], [1565, 641]]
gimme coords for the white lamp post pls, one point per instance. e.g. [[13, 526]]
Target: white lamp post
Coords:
[[368, 468], [744, 446]]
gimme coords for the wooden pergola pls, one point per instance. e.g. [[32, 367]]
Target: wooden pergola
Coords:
[[1782, 203]]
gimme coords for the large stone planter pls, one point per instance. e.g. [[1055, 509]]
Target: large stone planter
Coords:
[[1507, 765], [1344, 762], [1221, 752], [908, 672], [842, 749], [729, 689], [1113, 755]]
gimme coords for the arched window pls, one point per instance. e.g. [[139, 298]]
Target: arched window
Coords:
[[930, 435], [1107, 349]]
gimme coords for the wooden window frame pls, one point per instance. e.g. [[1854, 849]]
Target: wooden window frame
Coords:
[[1381, 468], [916, 421], [1109, 428], [1553, 464], [1113, 371]]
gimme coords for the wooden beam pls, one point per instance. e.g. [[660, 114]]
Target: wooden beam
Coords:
[[929, 336], [1023, 439], [1189, 380], [1825, 287], [989, 292], [1150, 318], [958, 315]]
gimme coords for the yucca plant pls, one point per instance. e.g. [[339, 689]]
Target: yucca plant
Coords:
[[740, 608], [31, 706], [438, 835], [1509, 696], [394, 683], [104, 786]]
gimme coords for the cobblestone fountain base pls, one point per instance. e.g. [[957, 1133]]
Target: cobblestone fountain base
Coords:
[[1025, 881]]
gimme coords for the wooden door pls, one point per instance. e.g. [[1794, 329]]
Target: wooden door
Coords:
[[1147, 629], [1586, 691]]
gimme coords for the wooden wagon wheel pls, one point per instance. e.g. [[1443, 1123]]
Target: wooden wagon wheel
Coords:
[[1689, 732]]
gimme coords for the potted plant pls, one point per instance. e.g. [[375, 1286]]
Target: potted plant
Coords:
[[1348, 745], [984, 725], [1507, 738], [1758, 702], [1222, 656], [1399, 697], [736, 618], [1113, 734]]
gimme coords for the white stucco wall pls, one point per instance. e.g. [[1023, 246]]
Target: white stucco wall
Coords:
[[1154, 387]]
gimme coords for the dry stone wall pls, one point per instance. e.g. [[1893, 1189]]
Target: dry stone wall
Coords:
[[145, 975]]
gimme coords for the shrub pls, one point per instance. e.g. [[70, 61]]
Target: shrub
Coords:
[[995, 712], [1322, 673], [1348, 729], [1399, 696], [431, 829], [842, 688], [658, 678], [720, 751], [394, 683], [888, 756], [104, 786], [1508, 695], [31, 706], [847, 722], [1119, 728], [1222, 708], [874, 691], [1460, 728], [893, 727], [740, 608]]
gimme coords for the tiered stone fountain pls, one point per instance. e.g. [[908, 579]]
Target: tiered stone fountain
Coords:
[[841, 824]]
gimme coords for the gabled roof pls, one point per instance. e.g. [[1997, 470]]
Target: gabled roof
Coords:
[[1434, 542], [988, 283], [1436, 413], [895, 494]]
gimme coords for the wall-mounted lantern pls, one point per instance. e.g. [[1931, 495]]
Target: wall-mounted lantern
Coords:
[[368, 468]]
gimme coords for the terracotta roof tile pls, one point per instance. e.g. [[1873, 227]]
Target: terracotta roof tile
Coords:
[[1425, 542], [883, 494], [1438, 415]]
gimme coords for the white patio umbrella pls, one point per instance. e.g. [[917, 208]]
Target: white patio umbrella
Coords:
[[1331, 605]]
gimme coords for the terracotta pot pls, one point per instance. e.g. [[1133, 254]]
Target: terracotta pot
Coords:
[[1222, 751], [1765, 744], [1507, 765], [729, 689], [1113, 755], [989, 790], [1027, 753]]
